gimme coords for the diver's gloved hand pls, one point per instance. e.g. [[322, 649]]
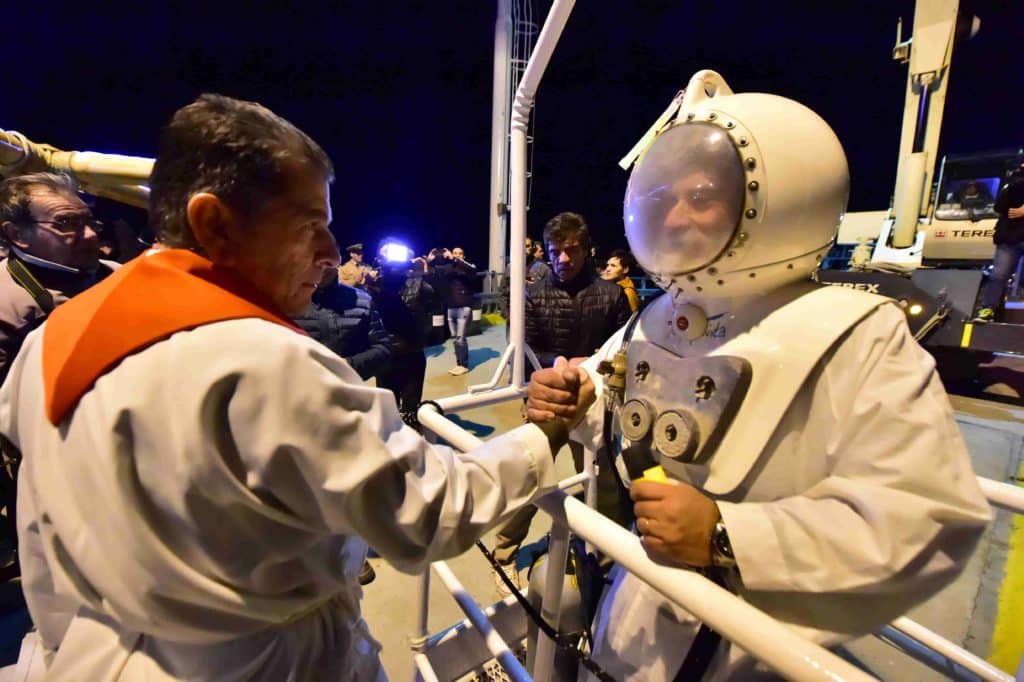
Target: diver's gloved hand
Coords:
[[675, 521], [560, 392]]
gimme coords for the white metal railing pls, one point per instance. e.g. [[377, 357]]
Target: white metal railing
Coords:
[[754, 631]]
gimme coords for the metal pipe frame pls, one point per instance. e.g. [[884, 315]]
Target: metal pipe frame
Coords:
[[945, 649], [495, 644], [756, 632], [1003, 495]]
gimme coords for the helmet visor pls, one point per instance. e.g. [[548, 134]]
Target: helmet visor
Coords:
[[684, 199]]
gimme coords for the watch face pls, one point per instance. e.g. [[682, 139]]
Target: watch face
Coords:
[[721, 546]]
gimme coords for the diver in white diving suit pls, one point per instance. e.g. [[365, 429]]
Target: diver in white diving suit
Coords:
[[814, 465]]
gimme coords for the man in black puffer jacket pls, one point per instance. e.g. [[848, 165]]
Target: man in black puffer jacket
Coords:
[[571, 315], [346, 320], [575, 312]]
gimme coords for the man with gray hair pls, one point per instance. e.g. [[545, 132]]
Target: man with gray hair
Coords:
[[52, 255]]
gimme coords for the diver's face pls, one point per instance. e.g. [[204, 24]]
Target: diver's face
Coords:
[[684, 199], [696, 213]]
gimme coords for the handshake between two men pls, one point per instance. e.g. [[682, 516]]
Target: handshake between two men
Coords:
[[674, 519]]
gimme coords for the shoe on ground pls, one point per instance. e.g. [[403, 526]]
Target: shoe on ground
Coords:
[[513, 574], [367, 575], [985, 315], [458, 370]]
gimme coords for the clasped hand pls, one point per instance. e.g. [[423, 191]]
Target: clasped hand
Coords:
[[564, 391]]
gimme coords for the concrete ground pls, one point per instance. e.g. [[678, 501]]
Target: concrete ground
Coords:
[[964, 612]]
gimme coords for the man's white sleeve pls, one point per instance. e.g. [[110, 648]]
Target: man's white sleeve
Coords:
[[320, 445]]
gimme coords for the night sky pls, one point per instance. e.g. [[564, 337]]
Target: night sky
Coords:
[[399, 93]]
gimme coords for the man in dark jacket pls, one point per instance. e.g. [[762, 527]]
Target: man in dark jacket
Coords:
[[346, 320], [1009, 239], [460, 277], [405, 304], [572, 316], [575, 312]]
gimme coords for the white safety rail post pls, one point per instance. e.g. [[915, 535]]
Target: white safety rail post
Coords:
[[1003, 495], [932, 648], [495, 644], [756, 632], [946, 656], [521, 107]]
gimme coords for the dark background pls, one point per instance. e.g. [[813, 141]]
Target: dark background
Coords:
[[399, 93]]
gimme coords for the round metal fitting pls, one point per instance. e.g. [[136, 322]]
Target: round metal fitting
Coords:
[[743, 142], [753, 185], [751, 213], [690, 116], [730, 125], [750, 162], [712, 116], [635, 419], [676, 435]]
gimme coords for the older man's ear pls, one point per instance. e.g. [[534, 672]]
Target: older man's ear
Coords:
[[213, 224]]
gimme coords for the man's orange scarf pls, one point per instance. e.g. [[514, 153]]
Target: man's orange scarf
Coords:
[[149, 299]]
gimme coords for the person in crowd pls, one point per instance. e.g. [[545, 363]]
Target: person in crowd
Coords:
[[1009, 240], [346, 320], [354, 272], [835, 492], [406, 302], [53, 255], [537, 270], [460, 279], [199, 489], [576, 312], [570, 316], [618, 268]]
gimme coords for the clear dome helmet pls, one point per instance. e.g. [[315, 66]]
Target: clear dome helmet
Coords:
[[740, 194]]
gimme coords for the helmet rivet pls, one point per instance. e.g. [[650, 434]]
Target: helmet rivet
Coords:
[[689, 116], [700, 288], [730, 125], [712, 116], [712, 271], [730, 254], [753, 185], [751, 213], [721, 282], [789, 267], [742, 236], [691, 278], [743, 142], [751, 163], [753, 275]]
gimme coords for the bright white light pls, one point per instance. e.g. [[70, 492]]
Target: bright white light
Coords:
[[396, 253], [916, 309]]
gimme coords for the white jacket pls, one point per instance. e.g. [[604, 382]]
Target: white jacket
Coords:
[[205, 510]]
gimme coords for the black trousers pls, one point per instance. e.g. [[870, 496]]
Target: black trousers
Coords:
[[403, 376]]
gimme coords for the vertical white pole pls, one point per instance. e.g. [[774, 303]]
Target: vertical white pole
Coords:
[[499, 143]]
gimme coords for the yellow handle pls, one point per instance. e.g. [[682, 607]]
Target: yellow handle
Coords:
[[655, 474]]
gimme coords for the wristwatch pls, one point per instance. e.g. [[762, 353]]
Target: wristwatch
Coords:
[[721, 548]]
